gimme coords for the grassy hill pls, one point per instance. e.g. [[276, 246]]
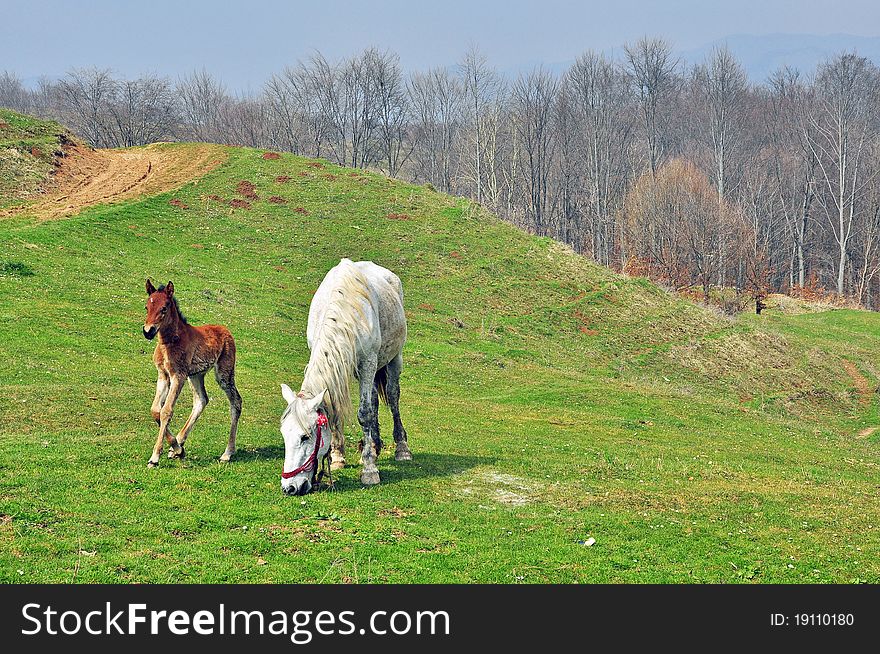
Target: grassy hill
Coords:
[[547, 401], [28, 150]]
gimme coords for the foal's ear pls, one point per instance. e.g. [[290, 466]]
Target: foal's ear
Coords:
[[150, 288], [169, 289], [287, 393]]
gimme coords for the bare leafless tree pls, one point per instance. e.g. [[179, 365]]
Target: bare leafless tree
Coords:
[[201, 103], [143, 110], [437, 101], [839, 125], [13, 95], [602, 101], [533, 99], [653, 72], [392, 112], [86, 95]]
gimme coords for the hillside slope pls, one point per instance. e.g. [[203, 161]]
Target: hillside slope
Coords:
[[49, 174], [30, 150], [547, 400]]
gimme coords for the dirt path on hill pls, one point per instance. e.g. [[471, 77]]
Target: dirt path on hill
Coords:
[[863, 386], [87, 177]]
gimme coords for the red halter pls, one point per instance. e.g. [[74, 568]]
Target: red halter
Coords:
[[312, 461]]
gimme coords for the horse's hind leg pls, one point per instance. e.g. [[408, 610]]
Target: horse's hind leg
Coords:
[[225, 372], [200, 401], [366, 375], [377, 439], [392, 393]]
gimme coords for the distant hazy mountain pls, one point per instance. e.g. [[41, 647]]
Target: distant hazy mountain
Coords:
[[761, 55]]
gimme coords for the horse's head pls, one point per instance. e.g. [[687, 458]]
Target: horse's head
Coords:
[[306, 433], [159, 308]]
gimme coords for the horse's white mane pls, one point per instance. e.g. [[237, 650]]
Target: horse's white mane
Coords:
[[334, 352]]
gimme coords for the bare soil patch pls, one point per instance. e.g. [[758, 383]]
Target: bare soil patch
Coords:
[[863, 386], [87, 177], [247, 190], [498, 487]]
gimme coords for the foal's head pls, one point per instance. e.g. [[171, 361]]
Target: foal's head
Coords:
[[160, 308]]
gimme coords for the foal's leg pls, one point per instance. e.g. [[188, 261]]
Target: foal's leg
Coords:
[[162, 385], [226, 379], [366, 375], [392, 392], [200, 401], [165, 415]]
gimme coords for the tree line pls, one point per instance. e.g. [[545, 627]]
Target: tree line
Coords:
[[691, 175]]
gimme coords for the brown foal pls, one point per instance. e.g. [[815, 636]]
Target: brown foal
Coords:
[[186, 353]]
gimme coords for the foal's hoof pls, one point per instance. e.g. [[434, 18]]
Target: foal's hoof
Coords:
[[226, 457], [370, 477], [152, 464], [179, 454], [402, 452]]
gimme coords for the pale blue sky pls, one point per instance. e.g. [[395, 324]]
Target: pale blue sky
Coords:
[[244, 42]]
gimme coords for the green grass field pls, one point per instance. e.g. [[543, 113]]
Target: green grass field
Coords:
[[547, 401]]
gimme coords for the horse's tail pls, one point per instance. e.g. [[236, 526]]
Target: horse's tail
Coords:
[[380, 382]]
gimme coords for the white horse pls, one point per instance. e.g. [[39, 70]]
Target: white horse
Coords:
[[357, 327]]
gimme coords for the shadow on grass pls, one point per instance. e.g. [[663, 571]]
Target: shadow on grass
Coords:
[[259, 453], [423, 466]]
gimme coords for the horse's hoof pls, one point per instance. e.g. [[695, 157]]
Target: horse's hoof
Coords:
[[402, 452], [152, 464], [226, 457], [370, 477], [180, 454]]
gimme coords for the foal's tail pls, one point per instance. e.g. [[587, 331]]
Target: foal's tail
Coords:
[[380, 381]]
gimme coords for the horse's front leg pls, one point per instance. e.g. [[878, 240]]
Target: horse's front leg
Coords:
[[165, 414], [162, 385], [200, 401], [369, 453]]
